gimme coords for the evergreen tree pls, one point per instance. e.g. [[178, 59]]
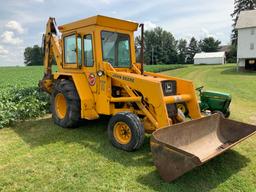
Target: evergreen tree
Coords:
[[232, 54], [192, 50], [28, 56], [240, 5], [182, 49]]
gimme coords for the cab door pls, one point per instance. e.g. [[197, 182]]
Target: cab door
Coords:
[[88, 60], [72, 56]]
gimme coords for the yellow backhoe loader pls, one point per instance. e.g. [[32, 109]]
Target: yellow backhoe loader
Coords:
[[97, 74]]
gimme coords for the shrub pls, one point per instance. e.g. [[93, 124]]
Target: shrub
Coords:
[[22, 103]]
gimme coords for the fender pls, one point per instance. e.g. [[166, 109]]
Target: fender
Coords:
[[87, 99]]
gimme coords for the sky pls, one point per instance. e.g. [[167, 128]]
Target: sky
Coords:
[[22, 22]]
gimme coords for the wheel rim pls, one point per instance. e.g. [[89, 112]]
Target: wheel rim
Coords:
[[122, 133], [181, 107], [60, 105]]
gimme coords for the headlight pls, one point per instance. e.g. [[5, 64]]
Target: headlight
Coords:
[[100, 73]]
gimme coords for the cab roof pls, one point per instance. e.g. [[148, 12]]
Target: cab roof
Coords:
[[100, 21]]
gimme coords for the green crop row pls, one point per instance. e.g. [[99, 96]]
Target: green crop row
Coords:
[[20, 99], [19, 103]]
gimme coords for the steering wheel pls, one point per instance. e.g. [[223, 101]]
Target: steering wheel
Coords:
[[200, 88]]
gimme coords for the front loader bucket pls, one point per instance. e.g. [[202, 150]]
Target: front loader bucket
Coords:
[[182, 147]]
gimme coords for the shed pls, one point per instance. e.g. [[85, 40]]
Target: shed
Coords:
[[210, 58]]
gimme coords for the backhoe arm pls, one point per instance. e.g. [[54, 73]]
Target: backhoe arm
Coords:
[[51, 47]]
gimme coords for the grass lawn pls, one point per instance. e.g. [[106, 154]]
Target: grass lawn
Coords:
[[37, 155]]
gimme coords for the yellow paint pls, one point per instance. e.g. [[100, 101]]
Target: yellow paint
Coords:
[[100, 20], [122, 133], [60, 105], [139, 94], [181, 107]]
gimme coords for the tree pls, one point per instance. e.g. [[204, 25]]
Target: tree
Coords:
[[192, 50], [33, 56], [232, 54], [209, 44], [160, 47], [182, 49], [28, 56], [240, 5]]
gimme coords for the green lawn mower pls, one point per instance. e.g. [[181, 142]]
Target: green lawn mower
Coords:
[[211, 102]]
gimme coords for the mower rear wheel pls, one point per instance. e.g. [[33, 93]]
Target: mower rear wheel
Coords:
[[219, 112], [126, 131], [65, 104], [227, 114]]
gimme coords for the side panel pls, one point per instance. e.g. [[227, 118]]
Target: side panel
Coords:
[[87, 99], [151, 90], [184, 87]]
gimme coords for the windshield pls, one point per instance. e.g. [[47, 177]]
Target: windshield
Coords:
[[116, 49]]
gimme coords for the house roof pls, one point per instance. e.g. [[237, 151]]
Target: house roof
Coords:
[[246, 19], [100, 21], [204, 55]]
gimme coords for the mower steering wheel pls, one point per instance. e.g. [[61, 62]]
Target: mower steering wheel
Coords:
[[200, 88]]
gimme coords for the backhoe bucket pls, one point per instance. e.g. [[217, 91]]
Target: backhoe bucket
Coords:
[[182, 147]]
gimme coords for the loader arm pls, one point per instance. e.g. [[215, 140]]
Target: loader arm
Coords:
[[152, 83], [51, 47]]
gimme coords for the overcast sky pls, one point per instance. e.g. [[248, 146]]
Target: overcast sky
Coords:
[[22, 22]]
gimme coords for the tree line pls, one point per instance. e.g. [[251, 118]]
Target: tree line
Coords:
[[161, 47]]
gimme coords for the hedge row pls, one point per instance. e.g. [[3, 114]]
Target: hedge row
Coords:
[[161, 68], [22, 103]]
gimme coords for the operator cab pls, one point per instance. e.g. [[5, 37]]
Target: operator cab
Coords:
[[82, 39]]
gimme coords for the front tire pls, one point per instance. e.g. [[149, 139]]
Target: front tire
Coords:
[[183, 108], [65, 104], [126, 131]]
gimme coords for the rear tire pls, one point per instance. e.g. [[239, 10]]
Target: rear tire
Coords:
[[219, 112], [126, 131], [227, 114], [65, 104]]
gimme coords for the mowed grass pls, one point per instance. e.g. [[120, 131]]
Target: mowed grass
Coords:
[[37, 155]]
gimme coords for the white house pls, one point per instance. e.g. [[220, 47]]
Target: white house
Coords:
[[210, 58], [246, 48]]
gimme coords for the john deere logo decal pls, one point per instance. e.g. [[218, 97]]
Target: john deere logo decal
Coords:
[[91, 79]]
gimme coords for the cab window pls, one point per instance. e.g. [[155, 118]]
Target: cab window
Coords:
[[79, 51], [70, 49], [116, 49], [88, 51]]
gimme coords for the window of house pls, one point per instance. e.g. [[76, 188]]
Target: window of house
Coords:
[[88, 51], [252, 46], [252, 31]]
